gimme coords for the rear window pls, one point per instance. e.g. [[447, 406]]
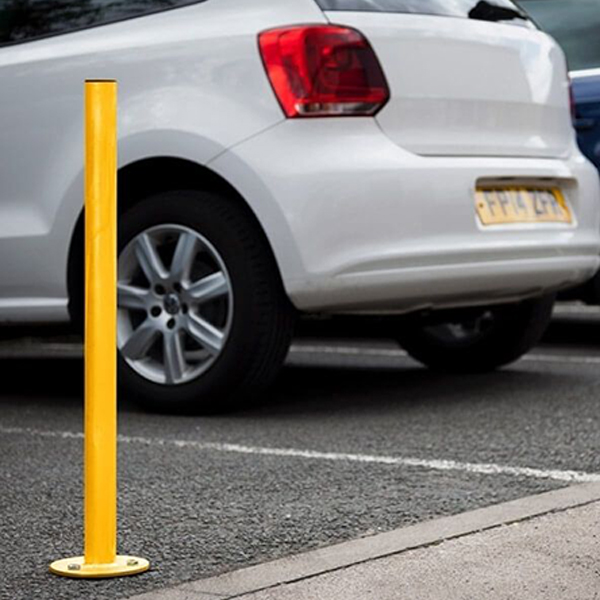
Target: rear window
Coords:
[[504, 11], [576, 26], [23, 20]]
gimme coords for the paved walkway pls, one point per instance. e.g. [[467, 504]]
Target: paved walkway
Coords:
[[544, 547]]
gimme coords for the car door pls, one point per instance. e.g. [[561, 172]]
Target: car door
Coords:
[[35, 117], [42, 72], [46, 52]]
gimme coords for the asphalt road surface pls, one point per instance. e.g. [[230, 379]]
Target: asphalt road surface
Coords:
[[355, 439]]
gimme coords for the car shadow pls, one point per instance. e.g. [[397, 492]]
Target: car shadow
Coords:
[[58, 379], [583, 333], [301, 390], [331, 385], [299, 387]]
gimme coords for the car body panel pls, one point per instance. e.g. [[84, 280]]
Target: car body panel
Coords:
[[469, 88], [336, 194], [181, 75], [356, 219], [575, 24]]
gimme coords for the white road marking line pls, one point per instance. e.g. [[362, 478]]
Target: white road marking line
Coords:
[[558, 358], [397, 461], [393, 353], [346, 350], [576, 309]]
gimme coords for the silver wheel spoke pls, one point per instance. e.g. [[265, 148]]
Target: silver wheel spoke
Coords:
[[210, 287], [131, 297], [183, 258], [173, 329], [205, 334], [138, 345], [149, 260], [175, 364]]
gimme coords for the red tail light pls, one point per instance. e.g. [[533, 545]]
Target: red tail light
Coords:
[[323, 70]]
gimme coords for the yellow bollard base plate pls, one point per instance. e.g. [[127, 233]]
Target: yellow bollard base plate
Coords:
[[77, 568]]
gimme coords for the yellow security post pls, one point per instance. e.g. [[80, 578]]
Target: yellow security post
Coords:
[[100, 456]]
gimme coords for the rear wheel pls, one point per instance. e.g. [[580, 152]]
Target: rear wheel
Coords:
[[478, 340], [203, 321], [589, 292]]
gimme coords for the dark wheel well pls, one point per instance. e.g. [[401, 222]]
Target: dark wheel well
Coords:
[[152, 176], [136, 182]]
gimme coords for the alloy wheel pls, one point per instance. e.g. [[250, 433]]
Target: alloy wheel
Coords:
[[175, 304]]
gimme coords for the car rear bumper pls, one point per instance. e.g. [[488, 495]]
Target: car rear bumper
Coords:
[[359, 224]]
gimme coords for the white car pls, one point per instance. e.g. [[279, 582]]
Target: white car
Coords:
[[278, 157]]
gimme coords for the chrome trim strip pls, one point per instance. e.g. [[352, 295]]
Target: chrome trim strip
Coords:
[[584, 73]]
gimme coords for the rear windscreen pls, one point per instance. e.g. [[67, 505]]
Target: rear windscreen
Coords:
[[504, 11]]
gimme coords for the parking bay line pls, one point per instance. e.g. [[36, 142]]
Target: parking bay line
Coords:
[[398, 353], [396, 461], [73, 350]]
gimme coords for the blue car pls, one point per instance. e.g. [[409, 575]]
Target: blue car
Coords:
[[586, 92], [575, 24]]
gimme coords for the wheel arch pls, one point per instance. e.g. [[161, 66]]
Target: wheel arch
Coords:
[[135, 182]]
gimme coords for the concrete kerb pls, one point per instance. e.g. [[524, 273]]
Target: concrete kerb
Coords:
[[347, 554]]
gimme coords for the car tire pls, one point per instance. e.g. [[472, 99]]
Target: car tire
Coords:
[[255, 316], [591, 291], [478, 340]]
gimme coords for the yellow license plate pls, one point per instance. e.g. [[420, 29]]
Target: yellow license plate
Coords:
[[498, 206]]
